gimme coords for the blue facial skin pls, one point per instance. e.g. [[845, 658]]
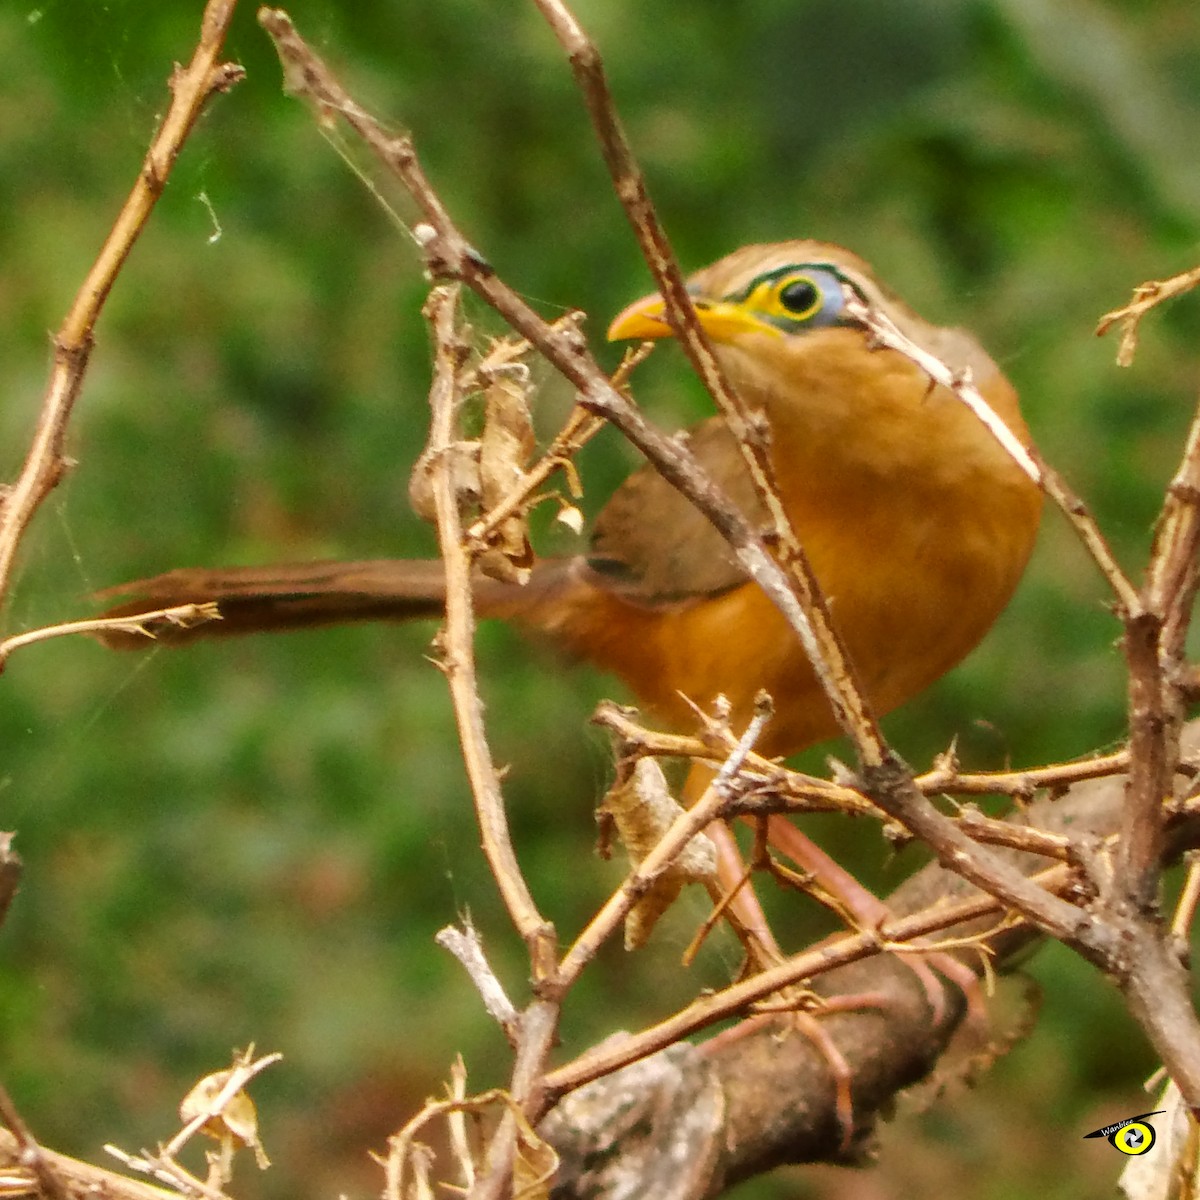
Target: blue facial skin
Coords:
[[797, 297]]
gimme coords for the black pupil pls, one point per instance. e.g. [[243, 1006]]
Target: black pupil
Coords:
[[800, 296]]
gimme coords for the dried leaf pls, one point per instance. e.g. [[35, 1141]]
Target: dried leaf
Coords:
[[463, 458], [644, 809], [571, 517], [237, 1120], [534, 1165], [505, 446]]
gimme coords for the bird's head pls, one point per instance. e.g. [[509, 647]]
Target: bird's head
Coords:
[[779, 319], [771, 292]]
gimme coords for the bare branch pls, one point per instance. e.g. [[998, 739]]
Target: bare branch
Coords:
[[29, 1153], [458, 660], [810, 615], [46, 463], [147, 624], [1145, 297], [465, 945]]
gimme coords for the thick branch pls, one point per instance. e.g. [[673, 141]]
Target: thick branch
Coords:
[[771, 1089]]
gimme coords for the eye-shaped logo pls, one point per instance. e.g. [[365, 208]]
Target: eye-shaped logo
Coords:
[[1131, 1136]]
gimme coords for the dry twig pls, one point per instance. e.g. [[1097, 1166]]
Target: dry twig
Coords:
[[148, 624], [1145, 297], [191, 88], [466, 946], [30, 1155]]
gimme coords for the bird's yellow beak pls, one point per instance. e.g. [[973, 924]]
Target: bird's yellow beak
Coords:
[[722, 320]]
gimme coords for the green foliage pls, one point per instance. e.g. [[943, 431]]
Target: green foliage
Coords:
[[258, 840]]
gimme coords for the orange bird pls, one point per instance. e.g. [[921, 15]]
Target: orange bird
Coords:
[[917, 523]]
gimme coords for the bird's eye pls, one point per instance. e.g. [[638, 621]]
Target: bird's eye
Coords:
[[800, 296]]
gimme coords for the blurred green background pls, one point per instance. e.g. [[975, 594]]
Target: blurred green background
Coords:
[[258, 840]]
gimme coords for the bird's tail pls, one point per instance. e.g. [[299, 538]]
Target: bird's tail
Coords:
[[302, 595]]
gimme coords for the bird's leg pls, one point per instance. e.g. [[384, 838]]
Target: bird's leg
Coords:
[[803, 1009], [736, 899], [807, 1024], [734, 894], [867, 911]]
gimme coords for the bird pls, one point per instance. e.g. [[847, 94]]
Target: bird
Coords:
[[918, 524]]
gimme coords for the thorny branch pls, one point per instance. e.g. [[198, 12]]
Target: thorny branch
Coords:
[[1156, 616], [147, 624], [450, 255], [1099, 935], [191, 89], [458, 660], [807, 612], [535, 1029]]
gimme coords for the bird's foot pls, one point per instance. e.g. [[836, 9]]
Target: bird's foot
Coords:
[[803, 1010], [835, 887]]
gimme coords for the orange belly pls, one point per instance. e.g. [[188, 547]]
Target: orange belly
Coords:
[[909, 605]]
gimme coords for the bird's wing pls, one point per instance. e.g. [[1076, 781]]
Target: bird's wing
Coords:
[[652, 547]]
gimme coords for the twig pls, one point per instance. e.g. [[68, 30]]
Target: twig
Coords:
[[992, 832], [30, 1153], [182, 616], [458, 660], [806, 793], [465, 945], [46, 463], [460, 1141], [763, 711], [1145, 297], [809, 793], [166, 1171], [887, 333], [810, 617], [1189, 900], [1025, 782]]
